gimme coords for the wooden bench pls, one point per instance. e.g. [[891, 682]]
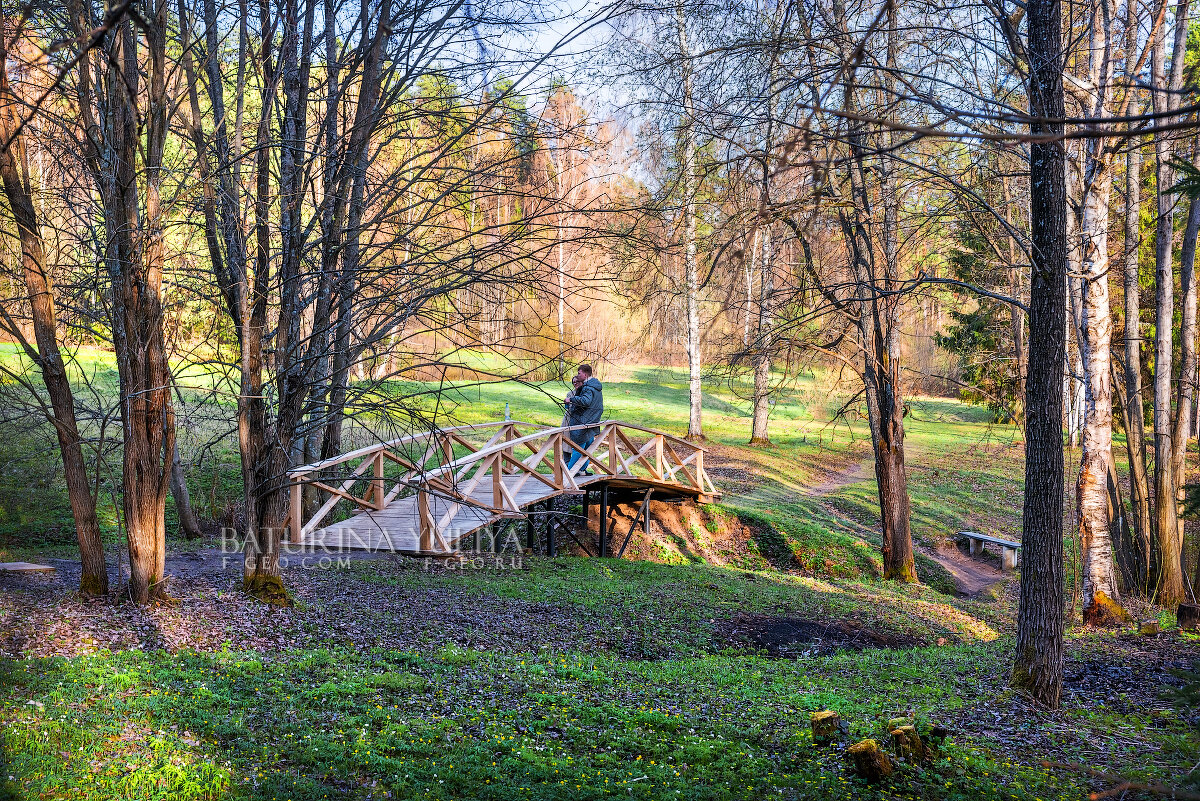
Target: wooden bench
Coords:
[[24, 567], [1008, 548]]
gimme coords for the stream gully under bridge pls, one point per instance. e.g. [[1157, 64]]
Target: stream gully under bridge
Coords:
[[426, 494]]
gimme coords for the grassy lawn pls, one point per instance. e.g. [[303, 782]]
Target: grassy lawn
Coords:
[[579, 678], [569, 679]]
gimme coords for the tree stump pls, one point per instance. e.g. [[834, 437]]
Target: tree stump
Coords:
[[908, 745], [826, 725], [1149, 628], [1189, 617], [869, 760]]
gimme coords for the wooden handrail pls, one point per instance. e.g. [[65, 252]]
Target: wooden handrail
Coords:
[[613, 453], [367, 450]]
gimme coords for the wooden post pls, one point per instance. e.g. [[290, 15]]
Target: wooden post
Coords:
[[424, 521], [604, 519], [497, 482], [700, 470], [377, 482], [509, 434], [658, 456], [296, 515], [559, 468], [613, 457], [531, 529]]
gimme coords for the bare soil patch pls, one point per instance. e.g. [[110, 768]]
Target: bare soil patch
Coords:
[[971, 576], [793, 637]]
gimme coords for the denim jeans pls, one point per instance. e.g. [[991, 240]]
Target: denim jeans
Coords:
[[583, 440]]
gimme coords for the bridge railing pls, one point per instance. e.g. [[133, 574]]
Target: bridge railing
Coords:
[[444, 464]]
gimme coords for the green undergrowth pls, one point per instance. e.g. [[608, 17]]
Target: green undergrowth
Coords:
[[457, 723]]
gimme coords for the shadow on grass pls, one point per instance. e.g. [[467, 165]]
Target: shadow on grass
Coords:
[[770, 541]]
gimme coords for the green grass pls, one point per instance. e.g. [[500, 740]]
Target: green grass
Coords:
[[688, 717], [335, 724], [647, 703]]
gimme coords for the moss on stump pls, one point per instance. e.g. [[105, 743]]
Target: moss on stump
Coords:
[[1149, 628], [908, 745], [826, 725], [268, 589], [869, 761]]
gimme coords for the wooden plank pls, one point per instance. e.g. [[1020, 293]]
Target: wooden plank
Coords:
[[974, 535], [25, 567]]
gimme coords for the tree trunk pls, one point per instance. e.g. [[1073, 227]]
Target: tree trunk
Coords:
[[1100, 593], [265, 457], [762, 346], [136, 248], [14, 173], [1130, 548], [876, 322], [183, 501], [890, 473], [688, 186], [1038, 666], [1101, 600], [1169, 589], [1186, 387], [1138, 553]]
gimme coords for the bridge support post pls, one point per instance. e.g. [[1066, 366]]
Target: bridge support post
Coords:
[[604, 519], [531, 528], [296, 512]]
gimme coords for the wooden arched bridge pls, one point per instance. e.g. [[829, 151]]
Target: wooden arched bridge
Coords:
[[424, 493]]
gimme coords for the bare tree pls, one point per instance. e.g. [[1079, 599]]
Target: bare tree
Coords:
[[123, 133], [46, 355], [1038, 668]]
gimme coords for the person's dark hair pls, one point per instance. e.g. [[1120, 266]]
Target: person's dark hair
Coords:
[[586, 369], [575, 379]]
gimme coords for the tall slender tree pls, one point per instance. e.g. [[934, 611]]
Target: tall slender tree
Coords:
[[1038, 667]]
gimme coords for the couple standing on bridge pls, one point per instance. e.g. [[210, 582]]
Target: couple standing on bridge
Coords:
[[585, 406]]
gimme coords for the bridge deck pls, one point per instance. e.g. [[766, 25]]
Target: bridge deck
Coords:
[[397, 526]]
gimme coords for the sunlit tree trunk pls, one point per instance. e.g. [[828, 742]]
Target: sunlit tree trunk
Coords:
[[688, 187], [1101, 603], [763, 344], [1135, 558], [1169, 587], [18, 191], [1185, 391]]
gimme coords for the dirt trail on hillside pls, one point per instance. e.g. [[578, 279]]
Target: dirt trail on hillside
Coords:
[[971, 576], [864, 471]]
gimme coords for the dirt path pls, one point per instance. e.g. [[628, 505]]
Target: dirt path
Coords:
[[854, 474], [971, 576]]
